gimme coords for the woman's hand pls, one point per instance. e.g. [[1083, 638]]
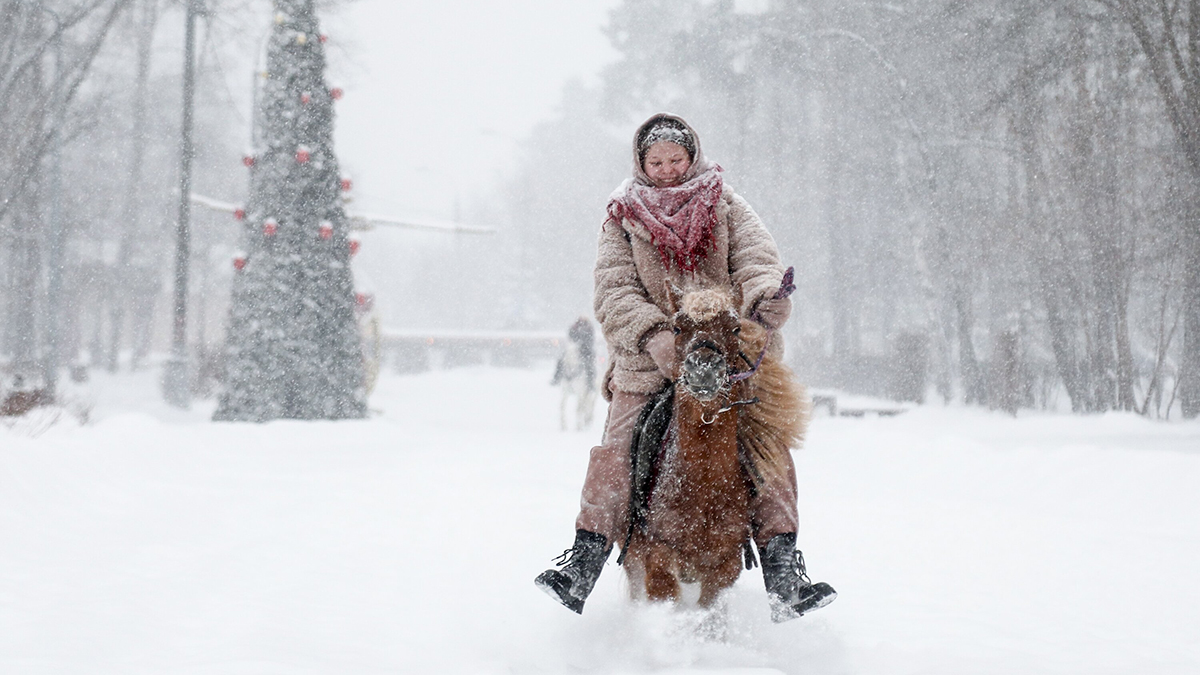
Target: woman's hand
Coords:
[[661, 347], [773, 312]]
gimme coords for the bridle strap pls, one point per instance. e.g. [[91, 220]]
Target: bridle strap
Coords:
[[731, 406], [738, 377], [786, 288]]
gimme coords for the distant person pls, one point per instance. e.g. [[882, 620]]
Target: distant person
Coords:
[[576, 374], [675, 220]]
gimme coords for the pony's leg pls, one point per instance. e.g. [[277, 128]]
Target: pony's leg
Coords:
[[583, 418], [661, 583], [635, 574], [715, 580], [588, 406]]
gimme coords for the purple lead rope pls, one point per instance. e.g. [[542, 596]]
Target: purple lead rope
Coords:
[[786, 288]]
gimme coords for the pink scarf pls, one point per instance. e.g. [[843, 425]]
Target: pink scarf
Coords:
[[680, 219]]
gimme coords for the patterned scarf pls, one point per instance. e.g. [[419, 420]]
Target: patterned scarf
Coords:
[[680, 219]]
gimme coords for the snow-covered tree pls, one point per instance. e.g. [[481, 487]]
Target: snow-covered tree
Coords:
[[292, 350]]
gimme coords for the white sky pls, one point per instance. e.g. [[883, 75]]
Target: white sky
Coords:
[[439, 93]]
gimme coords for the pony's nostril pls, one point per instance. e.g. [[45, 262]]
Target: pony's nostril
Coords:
[[705, 375]]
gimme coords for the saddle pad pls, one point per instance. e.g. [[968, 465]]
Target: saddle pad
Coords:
[[652, 425]]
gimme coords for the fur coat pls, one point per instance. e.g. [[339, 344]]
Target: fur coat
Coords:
[[630, 294]]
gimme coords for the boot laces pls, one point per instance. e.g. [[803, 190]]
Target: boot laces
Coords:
[[571, 558], [567, 557], [801, 570]]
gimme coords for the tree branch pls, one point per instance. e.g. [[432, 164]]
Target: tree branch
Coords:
[[66, 86], [1175, 103]]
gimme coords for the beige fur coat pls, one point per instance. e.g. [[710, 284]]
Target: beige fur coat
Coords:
[[630, 295]]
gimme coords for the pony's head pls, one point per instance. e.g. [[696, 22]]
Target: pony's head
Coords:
[[706, 326]]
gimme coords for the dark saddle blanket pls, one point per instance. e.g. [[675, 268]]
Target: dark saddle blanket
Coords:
[[649, 436]]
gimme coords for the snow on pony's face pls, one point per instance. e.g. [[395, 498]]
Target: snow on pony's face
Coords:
[[666, 163]]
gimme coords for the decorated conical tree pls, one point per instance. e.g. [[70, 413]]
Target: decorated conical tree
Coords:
[[292, 348]]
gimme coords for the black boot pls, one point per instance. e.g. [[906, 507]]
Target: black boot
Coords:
[[789, 589], [581, 565]]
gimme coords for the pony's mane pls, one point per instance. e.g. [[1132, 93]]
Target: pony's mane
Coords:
[[705, 303], [775, 425]]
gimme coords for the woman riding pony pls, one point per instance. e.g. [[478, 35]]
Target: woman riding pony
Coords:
[[676, 222]]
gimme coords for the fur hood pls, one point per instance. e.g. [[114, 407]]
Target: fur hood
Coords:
[[700, 163]]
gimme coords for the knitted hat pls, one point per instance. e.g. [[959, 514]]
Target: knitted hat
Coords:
[[666, 129]]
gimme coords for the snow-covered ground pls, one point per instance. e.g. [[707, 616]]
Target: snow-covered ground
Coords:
[[153, 541]]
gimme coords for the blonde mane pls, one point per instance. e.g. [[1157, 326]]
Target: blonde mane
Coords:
[[705, 303], [771, 428]]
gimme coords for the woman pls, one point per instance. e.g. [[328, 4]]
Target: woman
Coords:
[[677, 221]]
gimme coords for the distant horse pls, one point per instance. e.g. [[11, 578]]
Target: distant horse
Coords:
[[576, 374], [729, 428]]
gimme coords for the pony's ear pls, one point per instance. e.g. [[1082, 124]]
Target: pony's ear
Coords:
[[674, 296]]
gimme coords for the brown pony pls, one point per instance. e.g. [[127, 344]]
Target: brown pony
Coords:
[[698, 520]]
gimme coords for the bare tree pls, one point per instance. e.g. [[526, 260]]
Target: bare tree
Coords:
[[46, 52], [1169, 36]]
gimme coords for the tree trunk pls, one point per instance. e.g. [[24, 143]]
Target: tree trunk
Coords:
[[1025, 129], [1189, 386], [131, 210], [23, 336], [973, 385]]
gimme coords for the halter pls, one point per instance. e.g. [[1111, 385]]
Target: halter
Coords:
[[731, 406]]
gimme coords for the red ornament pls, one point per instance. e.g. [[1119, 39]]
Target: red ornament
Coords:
[[326, 229], [354, 245], [270, 226], [239, 213], [239, 262], [346, 184], [361, 299], [305, 98], [248, 160], [323, 38], [302, 154], [336, 93]]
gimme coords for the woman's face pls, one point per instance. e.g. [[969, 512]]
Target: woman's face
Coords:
[[665, 163]]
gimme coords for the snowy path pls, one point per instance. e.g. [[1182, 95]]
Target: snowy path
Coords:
[[960, 541]]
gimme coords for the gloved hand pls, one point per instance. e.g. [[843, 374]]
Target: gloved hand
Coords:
[[773, 312], [661, 347]]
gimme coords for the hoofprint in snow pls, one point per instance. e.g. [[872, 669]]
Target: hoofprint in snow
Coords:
[[153, 541]]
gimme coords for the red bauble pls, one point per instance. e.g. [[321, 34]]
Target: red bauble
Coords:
[[305, 98], [336, 93], [302, 155], [323, 38], [239, 262], [354, 245], [270, 226], [326, 229], [248, 160], [239, 213], [346, 184]]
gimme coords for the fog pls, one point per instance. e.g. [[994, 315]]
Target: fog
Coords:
[[989, 203]]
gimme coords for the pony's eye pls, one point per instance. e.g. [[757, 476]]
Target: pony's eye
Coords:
[[737, 329], [675, 330]]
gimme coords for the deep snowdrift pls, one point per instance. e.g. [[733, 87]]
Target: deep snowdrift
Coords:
[[153, 541]]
